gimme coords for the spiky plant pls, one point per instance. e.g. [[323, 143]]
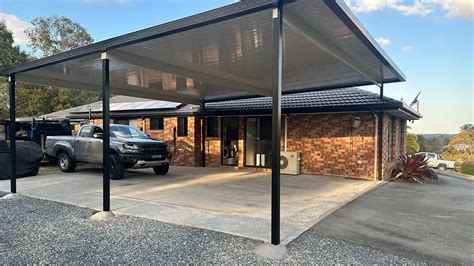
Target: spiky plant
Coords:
[[412, 167]]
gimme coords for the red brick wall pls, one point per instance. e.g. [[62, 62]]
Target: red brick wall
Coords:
[[329, 145], [187, 151], [398, 129], [327, 142], [213, 148]]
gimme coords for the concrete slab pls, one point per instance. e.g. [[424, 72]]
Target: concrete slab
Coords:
[[225, 200]]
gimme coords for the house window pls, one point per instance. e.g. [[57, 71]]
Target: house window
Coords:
[[121, 122], [157, 123], [390, 140], [182, 126], [211, 127], [402, 137]]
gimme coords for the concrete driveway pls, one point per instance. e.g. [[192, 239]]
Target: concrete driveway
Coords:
[[225, 200], [433, 223]]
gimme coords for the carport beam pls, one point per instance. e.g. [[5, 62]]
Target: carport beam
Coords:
[[276, 119], [12, 132], [106, 131]]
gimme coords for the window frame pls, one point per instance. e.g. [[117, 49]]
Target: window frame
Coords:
[[82, 129], [160, 125], [122, 119], [390, 139], [214, 130], [182, 132]]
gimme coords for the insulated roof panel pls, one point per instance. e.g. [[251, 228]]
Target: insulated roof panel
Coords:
[[227, 53]]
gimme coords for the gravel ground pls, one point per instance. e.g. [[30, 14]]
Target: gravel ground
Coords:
[[40, 231]]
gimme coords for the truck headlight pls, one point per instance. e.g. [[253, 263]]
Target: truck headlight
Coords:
[[133, 148]]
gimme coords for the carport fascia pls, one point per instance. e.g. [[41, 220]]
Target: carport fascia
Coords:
[[297, 24]]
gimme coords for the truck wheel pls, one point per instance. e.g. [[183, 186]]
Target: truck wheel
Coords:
[[117, 168], [162, 169], [65, 163], [442, 167]]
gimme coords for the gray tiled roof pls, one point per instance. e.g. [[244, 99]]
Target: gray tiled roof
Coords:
[[344, 99], [326, 98]]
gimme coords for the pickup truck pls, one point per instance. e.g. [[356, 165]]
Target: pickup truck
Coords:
[[437, 161], [129, 148]]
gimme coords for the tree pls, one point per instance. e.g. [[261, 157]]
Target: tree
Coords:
[[48, 36], [461, 146], [412, 143], [10, 55], [466, 127], [56, 34]]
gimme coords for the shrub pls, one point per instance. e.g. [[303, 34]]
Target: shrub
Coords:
[[467, 168], [414, 167]]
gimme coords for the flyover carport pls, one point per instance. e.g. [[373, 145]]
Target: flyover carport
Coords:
[[250, 48]]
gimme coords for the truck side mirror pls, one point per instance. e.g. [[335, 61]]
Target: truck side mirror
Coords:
[[98, 135]]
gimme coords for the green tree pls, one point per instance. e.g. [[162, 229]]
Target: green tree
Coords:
[[10, 55], [412, 143], [56, 34], [461, 146], [49, 36]]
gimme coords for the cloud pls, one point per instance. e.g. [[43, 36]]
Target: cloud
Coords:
[[451, 8], [407, 48], [17, 26], [383, 41], [456, 8]]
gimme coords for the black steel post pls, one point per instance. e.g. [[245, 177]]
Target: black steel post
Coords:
[[381, 92], [276, 119], [106, 129], [12, 133]]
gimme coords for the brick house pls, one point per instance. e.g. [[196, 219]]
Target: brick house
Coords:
[[336, 131]]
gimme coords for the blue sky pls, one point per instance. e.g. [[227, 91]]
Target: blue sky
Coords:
[[430, 40]]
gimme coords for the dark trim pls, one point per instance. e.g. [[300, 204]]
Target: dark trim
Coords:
[[195, 21], [350, 20], [12, 135], [106, 134], [324, 109]]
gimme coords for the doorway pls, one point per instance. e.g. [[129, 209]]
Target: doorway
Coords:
[[258, 141], [230, 141]]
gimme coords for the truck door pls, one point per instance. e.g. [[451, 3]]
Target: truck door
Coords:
[[81, 143], [95, 147], [431, 159]]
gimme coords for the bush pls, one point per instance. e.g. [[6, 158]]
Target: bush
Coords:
[[414, 167], [467, 168]]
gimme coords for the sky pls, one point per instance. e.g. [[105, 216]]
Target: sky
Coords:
[[430, 40]]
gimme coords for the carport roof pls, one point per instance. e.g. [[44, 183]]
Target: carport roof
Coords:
[[226, 53]]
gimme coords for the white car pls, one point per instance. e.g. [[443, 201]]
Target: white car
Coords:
[[437, 161]]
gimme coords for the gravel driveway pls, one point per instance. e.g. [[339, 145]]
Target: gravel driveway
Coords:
[[40, 231]]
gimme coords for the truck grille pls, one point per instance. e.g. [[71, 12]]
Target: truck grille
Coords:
[[153, 149]]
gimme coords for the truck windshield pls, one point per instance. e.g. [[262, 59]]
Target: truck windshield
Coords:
[[124, 132]]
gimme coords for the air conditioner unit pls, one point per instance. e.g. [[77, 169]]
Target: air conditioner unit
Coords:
[[290, 162]]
